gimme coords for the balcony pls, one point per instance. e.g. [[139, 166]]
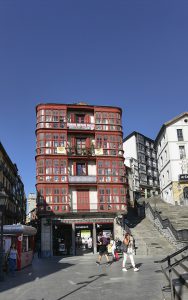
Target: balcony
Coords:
[[80, 152], [83, 179], [78, 126]]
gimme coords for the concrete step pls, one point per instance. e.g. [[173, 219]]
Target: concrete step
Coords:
[[149, 241]]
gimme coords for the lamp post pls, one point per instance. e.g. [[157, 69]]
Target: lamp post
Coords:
[[3, 203]]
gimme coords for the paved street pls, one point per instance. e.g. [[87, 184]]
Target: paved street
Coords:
[[77, 278]]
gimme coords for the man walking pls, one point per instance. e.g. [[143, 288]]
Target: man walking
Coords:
[[102, 243]]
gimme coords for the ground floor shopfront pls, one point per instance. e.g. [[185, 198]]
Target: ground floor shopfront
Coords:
[[64, 236]]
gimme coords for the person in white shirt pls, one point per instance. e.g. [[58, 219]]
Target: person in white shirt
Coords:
[[128, 251]]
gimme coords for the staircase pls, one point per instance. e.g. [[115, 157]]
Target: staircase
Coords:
[[149, 241], [175, 269]]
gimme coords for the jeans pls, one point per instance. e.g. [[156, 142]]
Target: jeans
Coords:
[[12, 265]]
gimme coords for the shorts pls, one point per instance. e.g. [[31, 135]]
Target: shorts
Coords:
[[103, 250]]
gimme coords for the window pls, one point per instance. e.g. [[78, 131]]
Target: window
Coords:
[[165, 155], [81, 169], [180, 134], [80, 119], [108, 121], [110, 171], [56, 199], [161, 161], [182, 152], [108, 198], [80, 145]]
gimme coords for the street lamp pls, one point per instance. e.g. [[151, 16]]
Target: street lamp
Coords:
[[3, 203]]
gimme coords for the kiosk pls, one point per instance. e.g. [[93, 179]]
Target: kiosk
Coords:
[[24, 238]]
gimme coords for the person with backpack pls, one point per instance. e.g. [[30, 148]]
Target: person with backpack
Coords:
[[103, 251], [128, 251]]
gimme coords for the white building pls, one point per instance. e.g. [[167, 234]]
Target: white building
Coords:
[[31, 202], [172, 155]]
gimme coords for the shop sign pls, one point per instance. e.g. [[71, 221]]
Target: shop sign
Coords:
[[183, 177], [82, 226]]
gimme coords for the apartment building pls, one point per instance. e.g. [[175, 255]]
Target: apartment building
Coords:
[[11, 190], [172, 154], [80, 173], [31, 202], [140, 156]]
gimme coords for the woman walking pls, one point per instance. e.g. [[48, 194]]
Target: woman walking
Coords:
[[128, 251]]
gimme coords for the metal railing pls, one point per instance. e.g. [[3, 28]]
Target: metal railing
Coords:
[[179, 235], [170, 266]]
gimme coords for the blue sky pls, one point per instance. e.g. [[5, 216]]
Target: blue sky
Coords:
[[127, 53]]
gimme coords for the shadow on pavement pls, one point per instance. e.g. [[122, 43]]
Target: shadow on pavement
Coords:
[[84, 284], [33, 272]]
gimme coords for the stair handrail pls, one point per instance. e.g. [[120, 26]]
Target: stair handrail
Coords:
[[165, 222], [172, 255], [170, 266], [177, 262]]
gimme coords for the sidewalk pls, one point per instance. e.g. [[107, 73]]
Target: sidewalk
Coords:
[[75, 278]]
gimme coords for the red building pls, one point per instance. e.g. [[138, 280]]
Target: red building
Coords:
[[80, 175]]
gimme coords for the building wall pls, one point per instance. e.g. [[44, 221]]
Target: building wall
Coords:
[[169, 162], [79, 148], [31, 202], [12, 186], [93, 199], [130, 149], [140, 156], [92, 170]]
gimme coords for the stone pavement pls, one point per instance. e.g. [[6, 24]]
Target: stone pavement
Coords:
[[75, 278]]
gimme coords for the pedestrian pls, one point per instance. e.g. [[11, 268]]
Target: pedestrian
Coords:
[[12, 258], [113, 248], [128, 251], [103, 251]]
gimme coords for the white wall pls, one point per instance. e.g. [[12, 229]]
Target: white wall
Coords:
[[92, 169], [129, 148], [73, 197], [93, 198]]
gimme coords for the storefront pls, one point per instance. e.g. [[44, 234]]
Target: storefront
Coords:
[[62, 244], [83, 238], [76, 237]]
